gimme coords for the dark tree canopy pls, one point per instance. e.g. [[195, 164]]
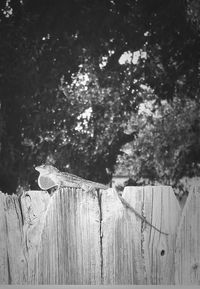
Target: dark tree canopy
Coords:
[[65, 97]]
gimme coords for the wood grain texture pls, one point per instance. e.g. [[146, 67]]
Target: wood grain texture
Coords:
[[34, 209], [4, 272], [69, 247], [77, 237], [188, 241], [134, 252], [13, 257]]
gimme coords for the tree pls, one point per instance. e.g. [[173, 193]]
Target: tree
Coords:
[[46, 49], [167, 146]]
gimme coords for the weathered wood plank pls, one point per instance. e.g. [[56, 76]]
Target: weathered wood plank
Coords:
[[4, 272], [188, 241], [69, 249], [34, 208], [134, 252], [162, 208], [60, 239], [13, 257]]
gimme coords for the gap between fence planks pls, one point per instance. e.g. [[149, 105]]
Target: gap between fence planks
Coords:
[[83, 238]]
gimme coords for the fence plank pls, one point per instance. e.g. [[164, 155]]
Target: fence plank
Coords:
[[13, 256], [134, 252], [188, 241], [34, 208], [4, 272], [60, 239], [69, 247]]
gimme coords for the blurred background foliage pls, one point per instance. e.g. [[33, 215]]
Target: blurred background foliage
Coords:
[[99, 87], [167, 146]]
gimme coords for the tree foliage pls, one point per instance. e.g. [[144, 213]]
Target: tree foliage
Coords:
[[66, 99], [167, 146]]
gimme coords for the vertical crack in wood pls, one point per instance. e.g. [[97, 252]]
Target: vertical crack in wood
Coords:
[[21, 221], [7, 254], [99, 195], [143, 226], [9, 270], [21, 211]]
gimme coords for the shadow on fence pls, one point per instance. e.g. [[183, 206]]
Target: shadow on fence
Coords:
[[83, 238]]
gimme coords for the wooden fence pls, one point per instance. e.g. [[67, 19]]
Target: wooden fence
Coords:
[[74, 237]]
